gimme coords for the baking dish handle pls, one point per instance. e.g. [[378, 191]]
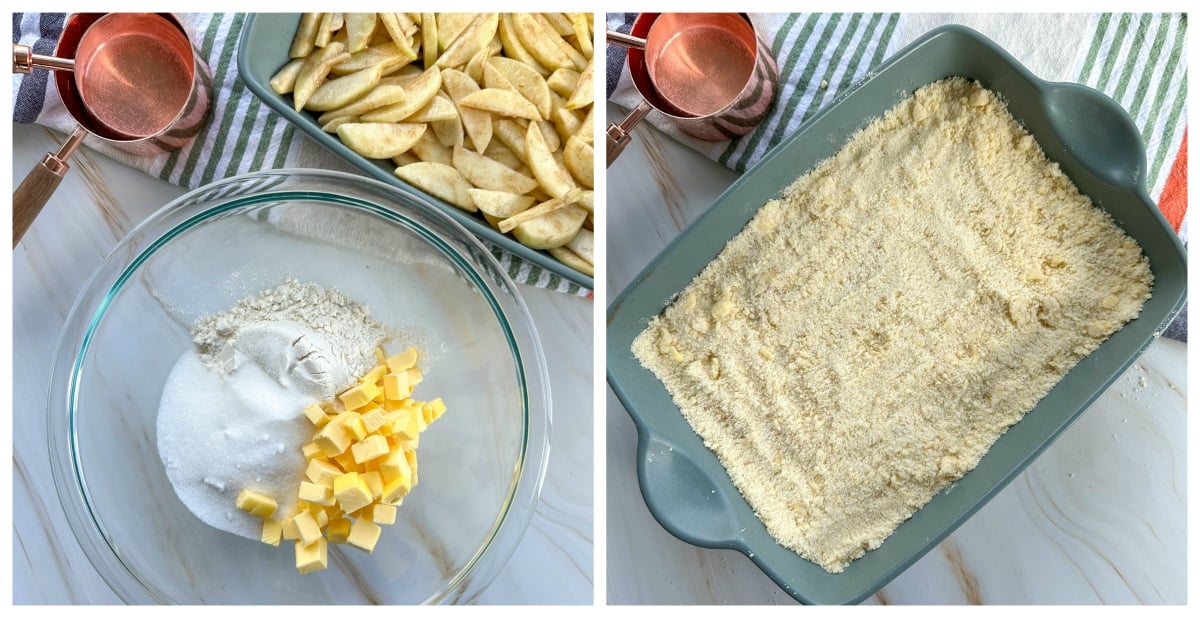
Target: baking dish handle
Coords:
[[683, 497], [1098, 133]]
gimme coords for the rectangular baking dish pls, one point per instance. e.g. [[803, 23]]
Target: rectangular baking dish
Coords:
[[1097, 146], [263, 50]]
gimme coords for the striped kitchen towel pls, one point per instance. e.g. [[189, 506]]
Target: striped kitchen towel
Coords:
[[222, 148], [1140, 60]]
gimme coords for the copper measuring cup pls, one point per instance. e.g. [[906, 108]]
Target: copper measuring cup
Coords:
[[709, 73], [132, 80]]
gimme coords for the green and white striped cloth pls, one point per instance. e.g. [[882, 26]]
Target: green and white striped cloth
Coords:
[[242, 135], [1138, 59]]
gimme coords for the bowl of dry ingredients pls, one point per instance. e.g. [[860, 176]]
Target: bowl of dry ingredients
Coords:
[[299, 387]]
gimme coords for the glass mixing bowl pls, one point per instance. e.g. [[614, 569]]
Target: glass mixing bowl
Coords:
[[481, 464]]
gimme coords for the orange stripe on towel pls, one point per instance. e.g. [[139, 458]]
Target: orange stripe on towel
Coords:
[[1173, 201]]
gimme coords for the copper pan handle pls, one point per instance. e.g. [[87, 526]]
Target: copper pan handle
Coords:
[[24, 60], [618, 136], [33, 193], [625, 40]]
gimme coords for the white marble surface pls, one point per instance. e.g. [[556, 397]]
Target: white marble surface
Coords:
[[98, 202], [1100, 517]]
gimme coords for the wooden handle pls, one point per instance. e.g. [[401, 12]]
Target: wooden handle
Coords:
[[34, 192]]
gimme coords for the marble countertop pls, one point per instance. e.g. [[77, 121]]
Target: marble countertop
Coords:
[[98, 202], [1099, 517]]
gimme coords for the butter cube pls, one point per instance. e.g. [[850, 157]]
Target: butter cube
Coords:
[[364, 535], [256, 504], [310, 450], [318, 514], [316, 415], [374, 481], [404, 360], [373, 419], [383, 514], [374, 446], [352, 423], [392, 405], [312, 557], [414, 376], [316, 493], [352, 492], [339, 530], [374, 374], [346, 461], [307, 527], [322, 472], [272, 531], [411, 427], [358, 396], [380, 356], [411, 456], [437, 407], [332, 439], [288, 529], [395, 490], [394, 465], [396, 386]]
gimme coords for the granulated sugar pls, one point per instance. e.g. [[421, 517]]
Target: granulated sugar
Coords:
[[868, 336]]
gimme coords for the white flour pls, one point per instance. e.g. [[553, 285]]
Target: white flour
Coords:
[[231, 414], [328, 312]]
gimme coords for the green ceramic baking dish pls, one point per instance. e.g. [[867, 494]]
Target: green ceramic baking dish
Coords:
[[1097, 146], [263, 49]]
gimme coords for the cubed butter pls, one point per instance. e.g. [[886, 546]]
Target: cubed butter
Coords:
[[318, 514], [346, 461], [437, 407], [394, 465], [338, 530], [372, 447], [373, 419], [382, 514], [316, 415], [358, 396], [352, 492], [396, 386], [316, 493], [352, 423], [395, 490], [306, 527], [411, 456], [399, 362], [374, 374], [414, 376], [310, 450], [322, 472], [374, 481], [312, 557], [332, 439], [256, 504], [272, 531], [289, 530], [411, 427], [380, 356], [364, 535]]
